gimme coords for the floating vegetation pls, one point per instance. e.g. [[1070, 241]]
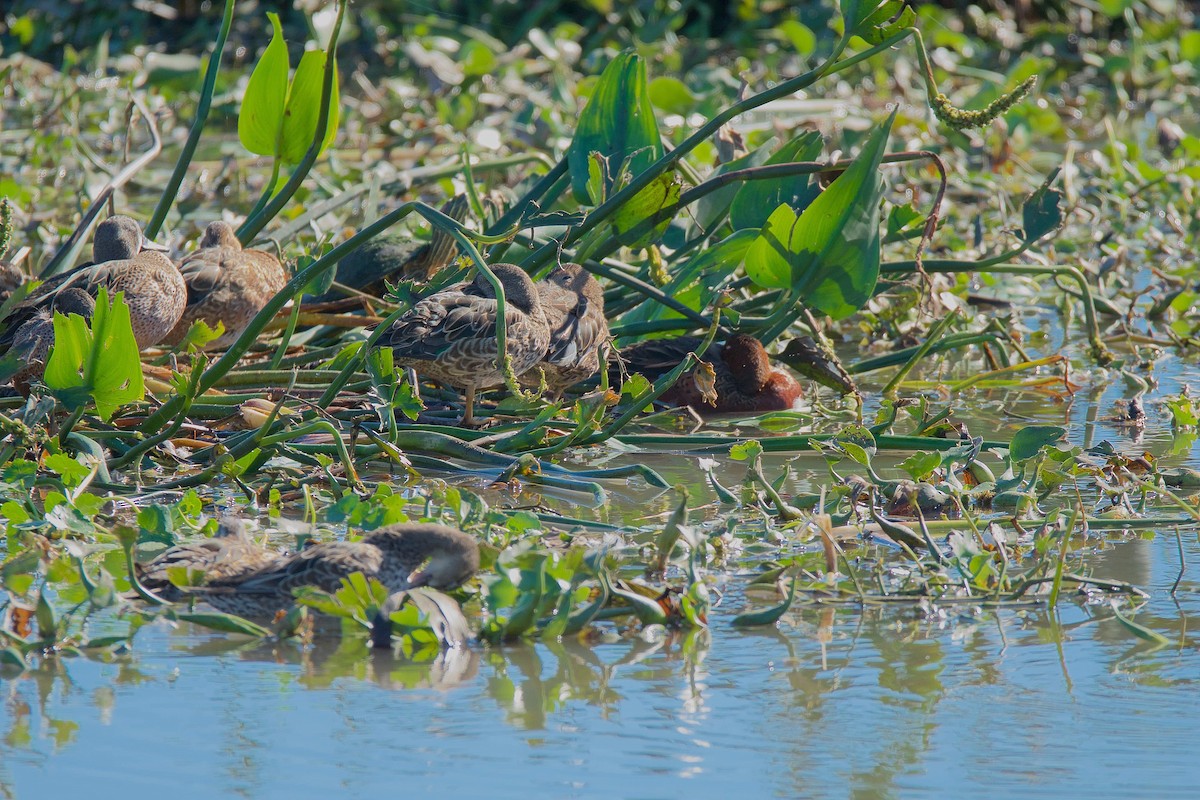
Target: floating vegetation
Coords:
[[626, 267]]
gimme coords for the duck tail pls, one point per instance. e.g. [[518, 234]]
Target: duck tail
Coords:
[[442, 247]]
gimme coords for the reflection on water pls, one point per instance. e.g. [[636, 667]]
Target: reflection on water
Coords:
[[886, 701]]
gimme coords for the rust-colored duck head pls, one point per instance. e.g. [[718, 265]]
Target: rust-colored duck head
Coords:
[[759, 386]]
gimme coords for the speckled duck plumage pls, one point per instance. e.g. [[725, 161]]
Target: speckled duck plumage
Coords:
[[226, 284], [402, 556], [450, 336], [574, 306]]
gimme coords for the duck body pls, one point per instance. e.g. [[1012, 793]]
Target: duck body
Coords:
[[402, 556], [153, 288], [745, 381], [390, 256], [34, 339], [226, 284], [450, 336], [224, 557], [574, 306]]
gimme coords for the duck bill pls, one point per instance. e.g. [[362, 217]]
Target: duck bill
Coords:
[[149, 245]]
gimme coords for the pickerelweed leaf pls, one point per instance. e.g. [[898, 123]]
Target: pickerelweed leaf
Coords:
[[260, 121], [617, 122], [1030, 440], [101, 364], [831, 250], [304, 106], [756, 200], [662, 192], [1042, 213]]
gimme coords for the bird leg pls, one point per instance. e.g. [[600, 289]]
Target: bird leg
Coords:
[[468, 418]]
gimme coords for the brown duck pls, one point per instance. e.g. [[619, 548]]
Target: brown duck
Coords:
[[153, 288], [226, 284], [33, 339], [226, 556], [745, 379], [450, 336], [402, 556], [574, 305], [389, 257]]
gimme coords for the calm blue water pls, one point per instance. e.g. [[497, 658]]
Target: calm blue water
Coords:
[[836, 703]]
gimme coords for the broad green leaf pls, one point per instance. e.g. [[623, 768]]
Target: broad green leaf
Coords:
[[801, 37], [921, 464], [617, 122], [260, 122], [709, 209], [101, 364], [671, 95], [1030, 440], [304, 106], [831, 250], [756, 200], [879, 24], [1042, 213], [662, 192]]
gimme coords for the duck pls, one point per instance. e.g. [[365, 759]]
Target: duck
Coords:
[[229, 554], [574, 306], [745, 379], [390, 256], [33, 340], [226, 283], [450, 336], [402, 556], [121, 262]]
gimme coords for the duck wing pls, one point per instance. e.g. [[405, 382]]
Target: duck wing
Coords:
[[321, 565], [437, 323], [201, 272]]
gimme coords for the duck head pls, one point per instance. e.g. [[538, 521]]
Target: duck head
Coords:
[[220, 234], [748, 362], [519, 289], [74, 300], [120, 238], [577, 280]]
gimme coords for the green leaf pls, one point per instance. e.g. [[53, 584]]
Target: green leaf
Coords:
[[671, 95], [662, 192], [799, 35], [831, 250], [225, 623], [756, 200], [617, 122], [1042, 213], [921, 464], [879, 25], [1030, 440], [304, 106], [101, 364], [260, 122], [744, 451], [768, 616]]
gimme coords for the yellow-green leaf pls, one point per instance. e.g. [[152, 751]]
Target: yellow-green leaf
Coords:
[[304, 106], [260, 122]]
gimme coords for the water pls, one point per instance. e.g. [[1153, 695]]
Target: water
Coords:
[[890, 702]]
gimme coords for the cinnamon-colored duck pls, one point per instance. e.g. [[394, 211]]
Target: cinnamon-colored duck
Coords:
[[745, 380]]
